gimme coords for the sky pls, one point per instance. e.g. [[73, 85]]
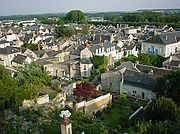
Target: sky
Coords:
[[19, 7]]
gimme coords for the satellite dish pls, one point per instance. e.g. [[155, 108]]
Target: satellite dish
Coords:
[[65, 113]]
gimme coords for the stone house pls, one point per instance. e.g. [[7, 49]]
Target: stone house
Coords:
[[134, 80]]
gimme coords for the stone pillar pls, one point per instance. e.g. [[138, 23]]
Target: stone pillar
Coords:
[[66, 126]]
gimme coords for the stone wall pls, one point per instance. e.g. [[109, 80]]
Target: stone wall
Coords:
[[94, 105], [58, 101]]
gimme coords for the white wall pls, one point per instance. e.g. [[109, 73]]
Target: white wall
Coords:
[[148, 94], [87, 69]]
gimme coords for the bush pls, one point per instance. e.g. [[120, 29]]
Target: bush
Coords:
[[52, 95], [56, 85], [122, 98], [98, 114]]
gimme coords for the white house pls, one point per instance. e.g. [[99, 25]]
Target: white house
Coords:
[[19, 60], [7, 54], [163, 44], [86, 68]]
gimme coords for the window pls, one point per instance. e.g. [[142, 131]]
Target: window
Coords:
[[152, 47], [84, 67], [156, 52], [110, 84], [85, 73], [134, 92], [149, 50], [143, 95]]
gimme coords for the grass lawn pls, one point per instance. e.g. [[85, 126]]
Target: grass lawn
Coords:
[[117, 115]]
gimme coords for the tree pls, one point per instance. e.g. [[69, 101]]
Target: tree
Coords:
[[150, 59], [85, 91], [100, 63], [161, 109], [143, 127], [62, 31], [169, 86], [85, 30], [56, 85], [75, 16], [131, 58], [8, 88], [31, 46]]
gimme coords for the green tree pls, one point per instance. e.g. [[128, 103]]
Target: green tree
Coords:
[[161, 109], [76, 16], [85, 30], [62, 31], [56, 85], [150, 59], [169, 86], [131, 58], [31, 46], [8, 88], [143, 127], [100, 63]]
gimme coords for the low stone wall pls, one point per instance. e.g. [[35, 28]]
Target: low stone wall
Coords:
[[58, 101], [92, 106]]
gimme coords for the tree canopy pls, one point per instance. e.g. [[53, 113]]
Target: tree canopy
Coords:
[[31, 46], [62, 31], [85, 90], [76, 16], [25, 85], [100, 63], [169, 86], [161, 109]]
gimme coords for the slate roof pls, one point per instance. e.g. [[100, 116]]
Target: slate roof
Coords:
[[9, 50], [106, 45], [86, 61], [128, 65], [20, 59], [52, 53], [140, 79], [156, 70], [165, 38], [76, 50], [3, 41]]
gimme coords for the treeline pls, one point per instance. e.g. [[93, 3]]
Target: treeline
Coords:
[[151, 17], [143, 18]]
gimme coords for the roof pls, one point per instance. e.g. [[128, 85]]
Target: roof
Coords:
[[140, 79], [86, 61], [165, 38], [128, 65], [19, 59], [156, 70], [3, 41], [105, 45], [9, 50]]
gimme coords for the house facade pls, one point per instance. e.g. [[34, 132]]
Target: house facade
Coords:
[[164, 44]]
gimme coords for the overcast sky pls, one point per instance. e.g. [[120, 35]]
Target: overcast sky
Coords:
[[14, 7]]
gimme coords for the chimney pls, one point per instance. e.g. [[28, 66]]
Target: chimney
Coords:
[[175, 39], [100, 38], [39, 46], [66, 126], [94, 36], [166, 37]]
